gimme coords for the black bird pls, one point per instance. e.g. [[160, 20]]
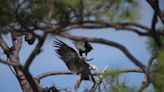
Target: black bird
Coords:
[[72, 60], [83, 47], [30, 38]]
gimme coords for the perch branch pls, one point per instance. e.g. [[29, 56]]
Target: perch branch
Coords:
[[67, 72]]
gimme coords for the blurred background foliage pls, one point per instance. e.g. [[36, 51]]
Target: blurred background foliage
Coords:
[[15, 13], [113, 82], [32, 11]]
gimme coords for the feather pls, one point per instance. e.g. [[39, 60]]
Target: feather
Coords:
[[72, 60], [67, 54], [83, 47]]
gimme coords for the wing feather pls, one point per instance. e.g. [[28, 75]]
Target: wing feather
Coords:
[[67, 54]]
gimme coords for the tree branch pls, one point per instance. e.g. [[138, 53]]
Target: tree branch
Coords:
[[120, 26], [30, 79], [155, 5], [147, 80], [35, 52], [133, 27], [126, 26], [110, 43], [67, 72], [144, 27], [24, 77], [153, 33], [9, 63]]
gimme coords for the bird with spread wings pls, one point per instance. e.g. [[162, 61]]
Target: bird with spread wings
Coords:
[[73, 61]]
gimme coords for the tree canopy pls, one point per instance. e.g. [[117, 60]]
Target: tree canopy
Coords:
[[33, 21]]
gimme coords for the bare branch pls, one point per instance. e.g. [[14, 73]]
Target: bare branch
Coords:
[[126, 26], [110, 43], [41, 76], [155, 5], [24, 77], [141, 26], [35, 52], [29, 80], [9, 63], [133, 27], [25, 72], [67, 72], [120, 26], [153, 33]]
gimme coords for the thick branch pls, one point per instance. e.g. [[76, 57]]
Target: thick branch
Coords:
[[110, 43], [30, 79], [67, 72], [23, 75]]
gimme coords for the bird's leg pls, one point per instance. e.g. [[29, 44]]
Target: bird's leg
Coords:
[[77, 83], [81, 53], [86, 54], [94, 81]]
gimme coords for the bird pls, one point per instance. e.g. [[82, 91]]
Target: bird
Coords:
[[83, 47], [30, 38], [73, 61]]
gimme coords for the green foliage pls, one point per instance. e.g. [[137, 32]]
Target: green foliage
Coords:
[[74, 3], [124, 10], [33, 11], [39, 10], [151, 45], [112, 78], [158, 76], [6, 13]]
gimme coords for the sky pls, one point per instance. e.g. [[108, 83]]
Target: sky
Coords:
[[103, 55]]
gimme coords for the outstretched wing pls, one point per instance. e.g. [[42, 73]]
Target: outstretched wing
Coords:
[[67, 54]]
